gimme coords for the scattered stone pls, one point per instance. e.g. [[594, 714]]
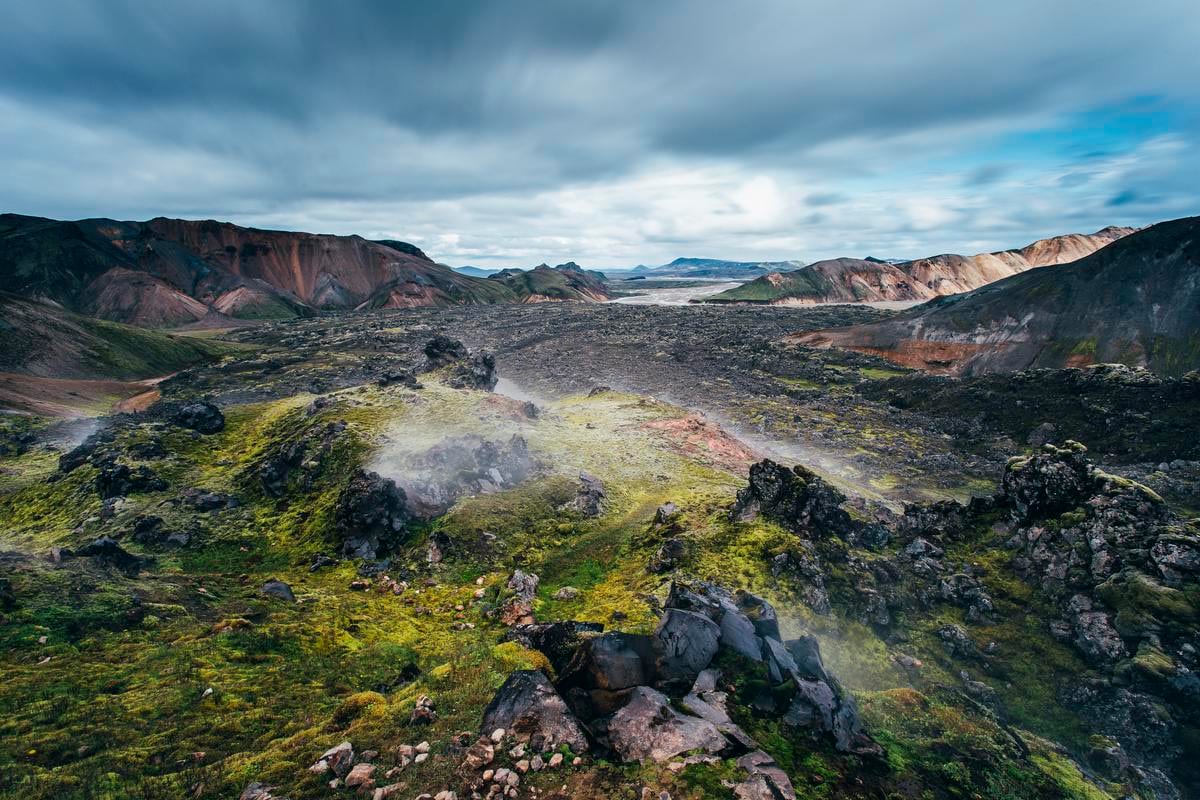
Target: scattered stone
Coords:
[[279, 590], [566, 593], [337, 759], [423, 714]]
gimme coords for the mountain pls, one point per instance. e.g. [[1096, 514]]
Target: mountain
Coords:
[[544, 283], [854, 280], [42, 339], [1135, 302], [170, 272]]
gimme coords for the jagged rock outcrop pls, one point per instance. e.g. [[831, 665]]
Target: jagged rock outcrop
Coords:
[[652, 697], [371, 516], [465, 370], [804, 503]]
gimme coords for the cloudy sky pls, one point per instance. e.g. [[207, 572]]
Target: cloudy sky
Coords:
[[612, 133]]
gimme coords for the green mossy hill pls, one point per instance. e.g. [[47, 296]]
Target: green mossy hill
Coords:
[[44, 340], [564, 282]]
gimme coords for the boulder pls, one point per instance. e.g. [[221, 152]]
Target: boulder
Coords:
[[684, 644], [278, 590], [441, 351], [259, 791], [1052, 481], [668, 557], [558, 641], [647, 728], [589, 498], [611, 661], [371, 516], [337, 759], [1095, 636], [528, 706], [106, 550], [118, 480], [801, 501], [199, 416], [766, 781]]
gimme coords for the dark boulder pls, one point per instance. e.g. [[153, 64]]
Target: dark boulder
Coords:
[[204, 500], [200, 416], [118, 480], [557, 641], [611, 661], [684, 644], [279, 590], [737, 631], [106, 550], [668, 557], [1055, 480], [589, 498], [371, 516], [528, 707], [804, 503], [441, 351], [465, 370]]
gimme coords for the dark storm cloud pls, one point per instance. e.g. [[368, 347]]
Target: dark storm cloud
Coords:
[[340, 114]]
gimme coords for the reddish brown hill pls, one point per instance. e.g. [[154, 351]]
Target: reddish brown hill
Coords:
[[855, 280], [1135, 302], [169, 272]]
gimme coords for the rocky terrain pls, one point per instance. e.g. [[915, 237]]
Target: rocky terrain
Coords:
[[856, 280], [596, 550], [1134, 302], [172, 272]]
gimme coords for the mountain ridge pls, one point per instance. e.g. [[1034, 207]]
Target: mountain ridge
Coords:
[[863, 280], [1135, 302]]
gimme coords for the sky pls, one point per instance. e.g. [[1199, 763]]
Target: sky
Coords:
[[609, 133]]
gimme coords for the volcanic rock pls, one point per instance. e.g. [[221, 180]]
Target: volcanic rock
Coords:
[[647, 728], [371, 516], [528, 706]]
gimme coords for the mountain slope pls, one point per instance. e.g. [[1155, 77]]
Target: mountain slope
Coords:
[[853, 280], [544, 284], [168, 272], [1135, 302], [838, 280]]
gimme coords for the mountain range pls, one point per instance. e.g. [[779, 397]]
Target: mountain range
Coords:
[[1136, 302], [173, 272], [858, 280]]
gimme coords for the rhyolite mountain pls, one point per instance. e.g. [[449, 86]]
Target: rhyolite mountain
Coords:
[[1135, 302], [864, 280], [172, 272]]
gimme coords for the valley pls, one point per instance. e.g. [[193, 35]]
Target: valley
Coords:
[[197, 601]]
